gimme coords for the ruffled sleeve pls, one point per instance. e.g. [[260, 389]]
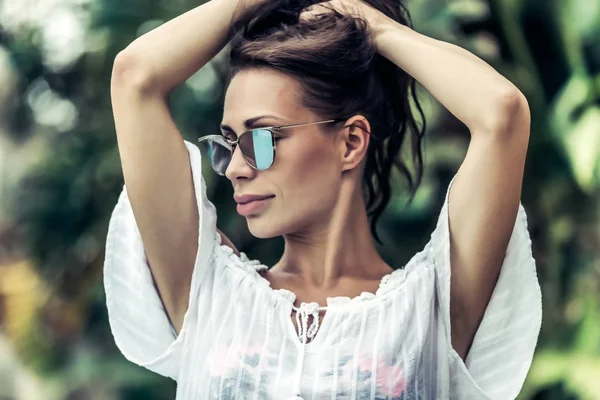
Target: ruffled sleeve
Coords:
[[504, 344], [137, 317]]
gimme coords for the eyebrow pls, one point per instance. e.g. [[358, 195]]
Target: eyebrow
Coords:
[[251, 123]]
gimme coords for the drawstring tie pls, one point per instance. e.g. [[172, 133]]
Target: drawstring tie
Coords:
[[305, 332], [306, 310]]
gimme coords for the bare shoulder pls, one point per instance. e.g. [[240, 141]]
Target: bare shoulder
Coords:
[[226, 241]]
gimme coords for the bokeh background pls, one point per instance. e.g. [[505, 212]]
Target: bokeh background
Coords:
[[60, 176]]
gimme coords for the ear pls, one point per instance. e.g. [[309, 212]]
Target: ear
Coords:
[[355, 141]]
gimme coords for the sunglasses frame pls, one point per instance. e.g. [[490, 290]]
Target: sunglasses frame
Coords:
[[235, 143]]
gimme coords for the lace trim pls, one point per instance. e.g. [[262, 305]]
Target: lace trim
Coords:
[[387, 284], [242, 260]]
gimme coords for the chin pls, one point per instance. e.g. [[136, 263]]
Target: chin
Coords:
[[262, 228]]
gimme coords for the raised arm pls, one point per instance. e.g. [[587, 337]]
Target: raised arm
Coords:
[[485, 195], [154, 157]]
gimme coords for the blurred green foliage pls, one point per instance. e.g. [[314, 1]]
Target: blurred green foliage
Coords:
[[58, 213]]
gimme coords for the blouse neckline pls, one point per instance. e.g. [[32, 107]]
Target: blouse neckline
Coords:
[[253, 267]]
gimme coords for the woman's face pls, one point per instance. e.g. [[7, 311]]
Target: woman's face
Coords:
[[307, 172]]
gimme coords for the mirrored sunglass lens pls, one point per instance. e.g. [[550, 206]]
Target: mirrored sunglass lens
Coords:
[[219, 155], [257, 146]]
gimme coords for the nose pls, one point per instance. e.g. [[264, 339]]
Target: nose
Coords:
[[238, 168]]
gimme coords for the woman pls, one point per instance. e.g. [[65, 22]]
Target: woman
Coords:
[[316, 111]]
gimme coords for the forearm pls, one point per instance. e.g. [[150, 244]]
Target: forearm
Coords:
[[463, 83], [169, 54]]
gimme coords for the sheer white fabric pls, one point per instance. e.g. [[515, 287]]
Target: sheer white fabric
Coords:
[[238, 339]]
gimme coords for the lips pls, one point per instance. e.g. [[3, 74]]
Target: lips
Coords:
[[252, 205], [247, 198]]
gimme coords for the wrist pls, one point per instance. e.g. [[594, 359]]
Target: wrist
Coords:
[[382, 26], [386, 30]]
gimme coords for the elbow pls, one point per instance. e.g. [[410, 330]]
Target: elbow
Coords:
[[510, 113], [129, 73]]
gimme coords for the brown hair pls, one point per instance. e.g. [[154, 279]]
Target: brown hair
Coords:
[[334, 58]]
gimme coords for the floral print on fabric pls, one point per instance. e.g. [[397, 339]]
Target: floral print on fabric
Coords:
[[389, 380], [237, 370]]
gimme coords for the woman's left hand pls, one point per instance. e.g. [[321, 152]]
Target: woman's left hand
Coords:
[[376, 20]]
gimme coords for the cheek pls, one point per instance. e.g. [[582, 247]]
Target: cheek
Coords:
[[309, 176], [306, 180]]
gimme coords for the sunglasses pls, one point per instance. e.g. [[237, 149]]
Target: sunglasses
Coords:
[[258, 146]]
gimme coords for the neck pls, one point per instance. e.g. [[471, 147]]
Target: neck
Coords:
[[339, 245]]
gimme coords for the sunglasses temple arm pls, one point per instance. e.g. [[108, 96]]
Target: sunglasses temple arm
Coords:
[[305, 124]]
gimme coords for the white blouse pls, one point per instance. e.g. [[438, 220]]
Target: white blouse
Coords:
[[238, 339]]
